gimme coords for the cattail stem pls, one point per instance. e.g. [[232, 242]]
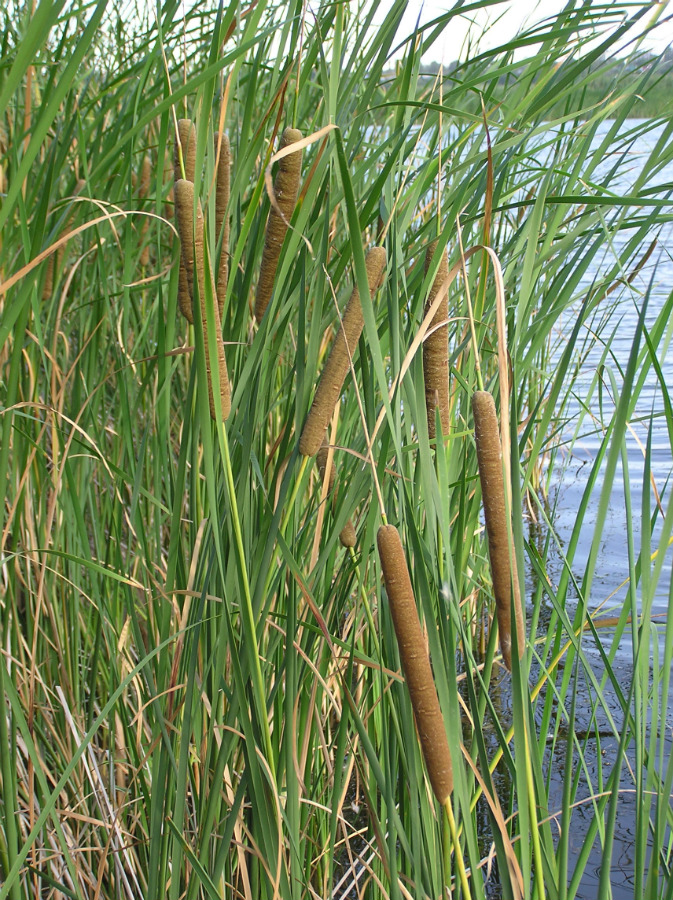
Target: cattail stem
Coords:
[[415, 662], [470, 310], [337, 366], [193, 255], [460, 862], [286, 190], [498, 529], [364, 599], [436, 349]]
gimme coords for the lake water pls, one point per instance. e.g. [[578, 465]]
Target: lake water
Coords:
[[655, 279], [568, 488]]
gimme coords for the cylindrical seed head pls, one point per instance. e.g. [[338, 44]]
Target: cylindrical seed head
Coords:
[[185, 143], [143, 193], [221, 213], [498, 530], [145, 174], [221, 362], [184, 219], [337, 366], [191, 239], [436, 349], [286, 190], [415, 662]]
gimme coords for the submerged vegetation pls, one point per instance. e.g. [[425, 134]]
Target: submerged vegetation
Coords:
[[212, 685]]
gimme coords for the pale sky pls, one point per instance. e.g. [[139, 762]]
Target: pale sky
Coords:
[[506, 18]]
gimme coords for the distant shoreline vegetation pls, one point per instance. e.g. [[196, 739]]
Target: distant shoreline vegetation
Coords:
[[606, 79]]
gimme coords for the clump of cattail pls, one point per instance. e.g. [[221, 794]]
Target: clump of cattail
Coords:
[[185, 146], [191, 240], [338, 363], [436, 349], [221, 215], [415, 662], [143, 193], [285, 189], [347, 535], [504, 574]]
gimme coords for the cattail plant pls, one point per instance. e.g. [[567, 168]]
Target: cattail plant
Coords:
[[191, 239], [498, 529], [285, 189], [221, 214], [143, 194], [347, 535], [337, 366], [185, 150], [415, 662], [436, 349]]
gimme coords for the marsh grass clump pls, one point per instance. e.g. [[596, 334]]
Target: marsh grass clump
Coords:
[[436, 348], [286, 190], [500, 547], [415, 662], [338, 363], [199, 696]]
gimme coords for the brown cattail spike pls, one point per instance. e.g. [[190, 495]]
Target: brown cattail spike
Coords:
[[347, 535], [436, 349], [193, 256], [285, 189], [185, 146], [337, 366], [221, 214], [145, 173], [415, 662], [498, 529], [184, 218], [143, 193]]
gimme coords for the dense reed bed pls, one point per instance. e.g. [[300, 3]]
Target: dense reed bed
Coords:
[[202, 693]]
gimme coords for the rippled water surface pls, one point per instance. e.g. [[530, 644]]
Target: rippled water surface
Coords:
[[652, 287]]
